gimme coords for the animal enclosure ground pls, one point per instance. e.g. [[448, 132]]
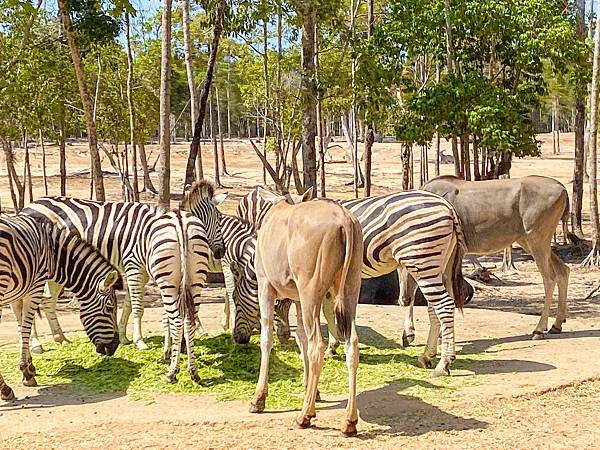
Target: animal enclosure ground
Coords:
[[505, 391]]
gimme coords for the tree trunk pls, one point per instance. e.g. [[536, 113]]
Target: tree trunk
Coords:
[[476, 173], [369, 126], [466, 156], [164, 174], [204, 92], [406, 151], [44, 162], [267, 93], [577, 202], [132, 137], [229, 96], [213, 136], [96, 167], [62, 154], [220, 128], [593, 259], [26, 173], [12, 175], [148, 185], [308, 92], [555, 127]]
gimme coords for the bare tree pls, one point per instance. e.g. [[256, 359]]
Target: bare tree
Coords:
[[132, 137], [62, 153], [96, 167], [593, 259], [370, 132], [220, 129], [164, 175], [213, 136]]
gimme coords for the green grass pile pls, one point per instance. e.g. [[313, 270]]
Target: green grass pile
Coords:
[[230, 372]]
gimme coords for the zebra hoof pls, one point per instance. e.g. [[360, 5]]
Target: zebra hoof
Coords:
[[141, 345], [537, 335], [407, 339], [303, 422], [171, 378], [38, 349], [6, 393], [555, 330], [349, 428], [424, 362], [31, 382], [194, 376], [32, 369]]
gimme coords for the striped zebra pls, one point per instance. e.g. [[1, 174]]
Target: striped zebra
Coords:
[[415, 231], [237, 266], [130, 235], [34, 251]]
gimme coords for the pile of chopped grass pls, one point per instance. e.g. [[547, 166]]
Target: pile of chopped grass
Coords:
[[230, 372]]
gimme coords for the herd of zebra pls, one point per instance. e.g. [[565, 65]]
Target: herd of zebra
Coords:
[[85, 246]]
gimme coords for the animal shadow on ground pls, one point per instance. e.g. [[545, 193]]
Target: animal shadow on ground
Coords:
[[105, 380], [405, 415]]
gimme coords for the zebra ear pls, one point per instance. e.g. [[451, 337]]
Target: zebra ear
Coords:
[[219, 198], [110, 280], [267, 196]]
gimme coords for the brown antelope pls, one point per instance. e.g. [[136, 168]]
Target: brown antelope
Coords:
[[303, 251]]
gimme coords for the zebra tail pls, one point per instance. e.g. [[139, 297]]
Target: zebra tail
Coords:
[[185, 302], [457, 275], [342, 307]]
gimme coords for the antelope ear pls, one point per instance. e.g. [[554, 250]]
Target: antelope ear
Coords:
[[219, 198], [110, 279], [267, 196], [308, 195]]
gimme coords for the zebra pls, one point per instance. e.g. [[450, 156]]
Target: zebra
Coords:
[[237, 266], [128, 234], [34, 251], [414, 231]]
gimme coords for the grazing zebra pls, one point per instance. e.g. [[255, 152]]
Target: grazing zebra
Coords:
[[237, 266], [32, 252], [413, 230], [129, 234]]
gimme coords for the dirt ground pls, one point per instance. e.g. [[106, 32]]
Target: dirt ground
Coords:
[[527, 394]]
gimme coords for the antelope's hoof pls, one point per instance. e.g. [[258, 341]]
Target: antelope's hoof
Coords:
[[329, 353], [171, 378], [349, 428], [257, 406], [440, 372], [555, 330], [318, 397], [30, 382], [7, 393], [303, 422], [62, 340], [38, 349], [124, 340], [424, 362], [141, 345], [407, 339], [537, 335]]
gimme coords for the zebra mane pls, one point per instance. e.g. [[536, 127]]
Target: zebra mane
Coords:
[[198, 191]]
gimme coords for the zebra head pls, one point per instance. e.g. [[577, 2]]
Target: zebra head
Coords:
[[245, 301], [201, 201], [100, 321]]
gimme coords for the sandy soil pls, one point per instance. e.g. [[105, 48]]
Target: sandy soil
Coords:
[[528, 394]]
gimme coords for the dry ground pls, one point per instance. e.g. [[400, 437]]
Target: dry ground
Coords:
[[526, 394]]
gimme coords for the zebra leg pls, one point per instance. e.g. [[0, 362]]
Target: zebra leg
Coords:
[[430, 349], [168, 337], [334, 341], [442, 306], [123, 340], [408, 288], [52, 291], [229, 288], [177, 335], [25, 312], [408, 335], [6, 393], [189, 331], [282, 319], [135, 283]]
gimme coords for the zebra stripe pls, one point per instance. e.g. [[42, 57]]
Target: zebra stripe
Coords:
[[415, 230], [34, 251]]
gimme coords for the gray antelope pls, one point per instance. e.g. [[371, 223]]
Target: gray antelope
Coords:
[[304, 250], [496, 213], [33, 252], [414, 231], [142, 241]]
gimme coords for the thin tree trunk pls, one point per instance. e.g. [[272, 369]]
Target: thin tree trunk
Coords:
[[62, 154], [369, 126], [466, 156], [12, 174], [148, 185], [220, 128], [164, 174], [476, 172], [267, 92], [204, 92], [577, 202], [132, 136], [593, 259], [213, 136], [229, 96], [308, 92], [96, 167], [26, 174], [44, 162]]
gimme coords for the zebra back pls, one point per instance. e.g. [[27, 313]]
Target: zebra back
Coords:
[[252, 208]]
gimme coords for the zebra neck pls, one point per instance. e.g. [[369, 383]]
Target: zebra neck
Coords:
[[77, 267]]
